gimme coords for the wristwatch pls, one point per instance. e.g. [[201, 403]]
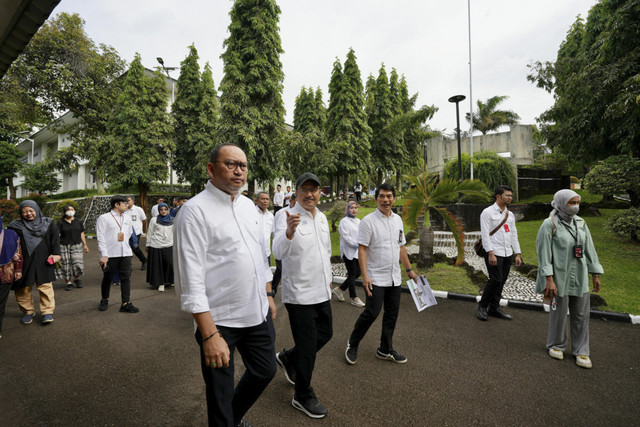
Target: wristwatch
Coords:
[[409, 269], [271, 294]]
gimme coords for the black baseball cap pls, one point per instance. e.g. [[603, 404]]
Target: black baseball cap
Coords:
[[307, 176]]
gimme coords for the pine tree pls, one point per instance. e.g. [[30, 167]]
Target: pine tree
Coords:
[[379, 115], [136, 148], [252, 111]]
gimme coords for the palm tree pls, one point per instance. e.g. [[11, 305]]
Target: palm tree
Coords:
[[486, 118], [428, 195]]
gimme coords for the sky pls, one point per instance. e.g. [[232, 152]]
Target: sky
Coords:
[[426, 40]]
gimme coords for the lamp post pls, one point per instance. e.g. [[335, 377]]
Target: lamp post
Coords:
[[457, 99], [166, 70]]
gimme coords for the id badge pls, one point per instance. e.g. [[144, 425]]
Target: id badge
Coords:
[[506, 228], [121, 237], [577, 251]]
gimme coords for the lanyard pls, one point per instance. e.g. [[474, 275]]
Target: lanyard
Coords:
[[571, 231], [119, 224]]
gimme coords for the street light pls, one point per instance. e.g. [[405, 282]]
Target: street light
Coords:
[[166, 70], [457, 99]]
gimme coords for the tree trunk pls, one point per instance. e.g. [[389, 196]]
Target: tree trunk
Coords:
[[398, 181], [251, 188], [100, 184], [143, 203], [12, 189], [379, 179], [345, 186], [425, 256]]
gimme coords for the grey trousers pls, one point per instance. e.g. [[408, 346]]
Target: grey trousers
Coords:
[[579, 309]]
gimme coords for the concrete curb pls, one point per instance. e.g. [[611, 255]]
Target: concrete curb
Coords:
[[525, 305]]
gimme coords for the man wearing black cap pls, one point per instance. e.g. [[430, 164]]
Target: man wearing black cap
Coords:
[[303, 243]]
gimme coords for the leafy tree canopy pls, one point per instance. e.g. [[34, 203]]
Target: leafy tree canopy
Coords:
[[616, 175], [488, 118], [488, 167]]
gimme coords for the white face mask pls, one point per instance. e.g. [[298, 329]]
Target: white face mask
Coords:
[[70, 213], [573, 210]]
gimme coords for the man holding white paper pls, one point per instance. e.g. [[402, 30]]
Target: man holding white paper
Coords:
[[381, 244]]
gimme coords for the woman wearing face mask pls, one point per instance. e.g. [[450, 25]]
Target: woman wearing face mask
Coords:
[[349, 250], [40, 244], [566, 257], [72, 244], [160, 249]]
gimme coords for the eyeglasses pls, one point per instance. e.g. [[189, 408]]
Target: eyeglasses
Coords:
[[232, 164], [313, 190]]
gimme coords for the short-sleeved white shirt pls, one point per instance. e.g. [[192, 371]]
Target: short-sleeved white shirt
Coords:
[[383, 236]]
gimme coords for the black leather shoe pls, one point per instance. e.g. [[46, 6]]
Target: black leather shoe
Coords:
[[482, 313], [499, 314]]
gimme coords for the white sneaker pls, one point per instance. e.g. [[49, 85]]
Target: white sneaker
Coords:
[[583, 362], [161, 288], [338, 293], [556, 354], [357, 302]]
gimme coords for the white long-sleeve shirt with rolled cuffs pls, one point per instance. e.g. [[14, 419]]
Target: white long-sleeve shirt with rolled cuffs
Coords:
[[107, 228], [504, 242], [219, 259], [306, 258], [348, 229]]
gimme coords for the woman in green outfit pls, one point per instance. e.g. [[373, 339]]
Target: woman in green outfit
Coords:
[[566, 257]]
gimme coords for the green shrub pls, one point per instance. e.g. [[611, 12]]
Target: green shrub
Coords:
[[9, 211], [574, 180], [40, 199], [336, 213], [59, 211], [625, 223], [488, 167], [73, 194]]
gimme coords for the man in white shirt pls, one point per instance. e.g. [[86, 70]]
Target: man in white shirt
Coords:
[[278, 273], [154, 208], [266, 217], [381, 244], [499, 248], [113, 230], [224, 281], [137, 216], [278, 199], [303, 243], [287, 196]]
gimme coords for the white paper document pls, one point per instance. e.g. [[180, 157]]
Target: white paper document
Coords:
[[421, 293]]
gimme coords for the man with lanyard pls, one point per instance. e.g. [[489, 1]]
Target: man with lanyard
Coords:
[[113, 230], [381, 233], [278, 199], [499, 248], [224, 281], [266, 217], [137, 216], [303, 243]]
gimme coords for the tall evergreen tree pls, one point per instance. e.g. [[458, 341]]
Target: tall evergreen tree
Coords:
[[137, 146], [252, 111], [379, 115], [304, 148], [195, 113], [348, 131]]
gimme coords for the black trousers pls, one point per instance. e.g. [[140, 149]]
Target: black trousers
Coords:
[[138, 252], [225, 405], [498, 275], [123, 266], [5, 288], [277, 275], [389, 296], [353, 272], [312, 328]]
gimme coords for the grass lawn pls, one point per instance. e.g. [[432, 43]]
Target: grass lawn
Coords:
[[586, 197], [618, 256]]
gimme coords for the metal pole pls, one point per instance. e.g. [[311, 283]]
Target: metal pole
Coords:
[[470, 91], [457, 99]]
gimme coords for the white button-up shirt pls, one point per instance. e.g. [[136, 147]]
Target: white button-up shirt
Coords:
[[383, 236], [219, 259], [107, 228], [267, 227], [278, 199], [137, 216], [504, 242], [306, 258], [349, 237]]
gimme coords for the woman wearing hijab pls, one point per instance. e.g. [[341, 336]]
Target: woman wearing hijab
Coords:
[[10, 265], [349, 251], [160, 249], [566, 257], [40, 244], [72, 244]]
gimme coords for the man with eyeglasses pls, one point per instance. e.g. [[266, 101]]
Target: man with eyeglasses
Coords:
[[303, 244], [500, 242], [224, 281]]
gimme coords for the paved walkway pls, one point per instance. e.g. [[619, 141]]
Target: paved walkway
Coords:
[[93, 368]]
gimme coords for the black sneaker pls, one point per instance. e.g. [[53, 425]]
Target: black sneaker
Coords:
[[104, 305], [68, 287], [287, 368], [244, 423], [78, 283], [128, 308], [143, 266], [312, 407], [393, 356], [351, 354]]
